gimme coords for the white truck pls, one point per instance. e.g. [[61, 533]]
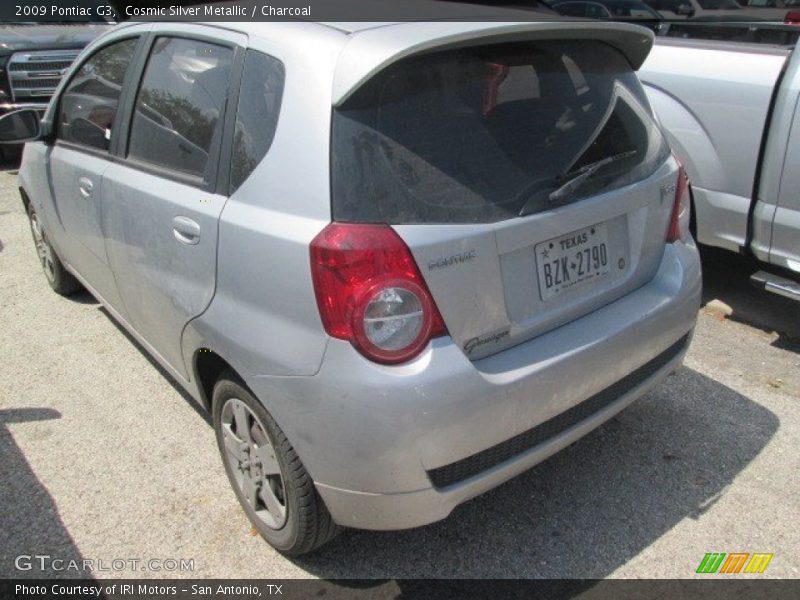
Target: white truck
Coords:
[[731, 114]]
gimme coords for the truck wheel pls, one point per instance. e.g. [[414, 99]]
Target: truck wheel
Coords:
[[61, 280], [272, 485]]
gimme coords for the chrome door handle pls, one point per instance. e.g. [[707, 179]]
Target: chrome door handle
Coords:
[[85, 186], [185, 230]]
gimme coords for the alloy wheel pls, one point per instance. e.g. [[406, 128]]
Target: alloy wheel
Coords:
[[251, 457]]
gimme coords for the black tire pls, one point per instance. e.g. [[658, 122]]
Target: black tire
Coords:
[[308, 524], [61, 280]]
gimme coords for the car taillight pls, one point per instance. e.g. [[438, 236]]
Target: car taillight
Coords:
[[681, 210], [371, 293], [792, 17]]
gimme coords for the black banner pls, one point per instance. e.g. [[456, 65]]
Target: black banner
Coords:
[[272, 10], [106, 11], [466, 589]]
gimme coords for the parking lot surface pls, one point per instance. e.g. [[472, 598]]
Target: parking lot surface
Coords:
[[102, 457]]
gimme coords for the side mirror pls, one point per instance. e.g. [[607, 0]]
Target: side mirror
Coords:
[[685, 10], [21, 125]]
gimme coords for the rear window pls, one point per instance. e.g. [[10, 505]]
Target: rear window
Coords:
[[485, 134]]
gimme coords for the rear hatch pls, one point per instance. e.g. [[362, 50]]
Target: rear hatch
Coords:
[[529, 179]]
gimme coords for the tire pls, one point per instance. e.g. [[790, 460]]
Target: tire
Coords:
[[305, 523], [61, 280]]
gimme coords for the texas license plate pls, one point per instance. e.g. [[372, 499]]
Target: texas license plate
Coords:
[[572, 260]]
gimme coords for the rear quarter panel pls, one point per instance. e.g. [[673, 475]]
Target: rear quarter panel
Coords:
[[264, 319]]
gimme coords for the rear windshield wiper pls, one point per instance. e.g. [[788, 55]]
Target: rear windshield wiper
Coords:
[[577, 178], [572, 180]]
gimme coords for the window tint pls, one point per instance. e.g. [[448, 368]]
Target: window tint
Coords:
[[89, 104], [485, 134], [177, 118], [596, 11], [718, 4], [257, 116], [572, 9], [629, 8], [779, 35]]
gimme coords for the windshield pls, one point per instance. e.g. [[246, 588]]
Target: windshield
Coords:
[[485, 134], [73, 12]]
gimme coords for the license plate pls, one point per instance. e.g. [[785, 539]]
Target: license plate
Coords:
[[572, 260]]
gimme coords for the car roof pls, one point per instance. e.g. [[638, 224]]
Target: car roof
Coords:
[[368, 47]]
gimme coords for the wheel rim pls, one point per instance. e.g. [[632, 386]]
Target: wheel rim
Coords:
[[252, 461], [43, 248]]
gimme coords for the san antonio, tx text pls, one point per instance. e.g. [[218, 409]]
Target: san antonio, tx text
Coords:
[[265, 10]]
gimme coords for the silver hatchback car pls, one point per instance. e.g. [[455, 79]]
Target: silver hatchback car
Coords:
[[398, 263]]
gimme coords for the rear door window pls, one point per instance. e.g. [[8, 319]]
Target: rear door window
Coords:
[[177, 119], [491, 133], [88, 106]]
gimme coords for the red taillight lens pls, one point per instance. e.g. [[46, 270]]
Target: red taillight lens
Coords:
[[371, 293], [792, 17], [681, 210]]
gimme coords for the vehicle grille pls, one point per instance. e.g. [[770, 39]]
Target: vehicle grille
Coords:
[[34, 76], [491, 457], [43, 84], [39, 65]]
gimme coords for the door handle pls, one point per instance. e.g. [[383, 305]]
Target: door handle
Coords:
[[185, 230], [85, 187]]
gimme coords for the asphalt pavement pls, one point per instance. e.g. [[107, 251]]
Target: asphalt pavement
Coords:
[[103, 457]]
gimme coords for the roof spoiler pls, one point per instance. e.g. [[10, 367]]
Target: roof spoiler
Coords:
[[369, 52]]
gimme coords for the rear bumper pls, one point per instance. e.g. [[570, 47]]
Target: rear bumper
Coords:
[[399, 447], [402, 511]]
